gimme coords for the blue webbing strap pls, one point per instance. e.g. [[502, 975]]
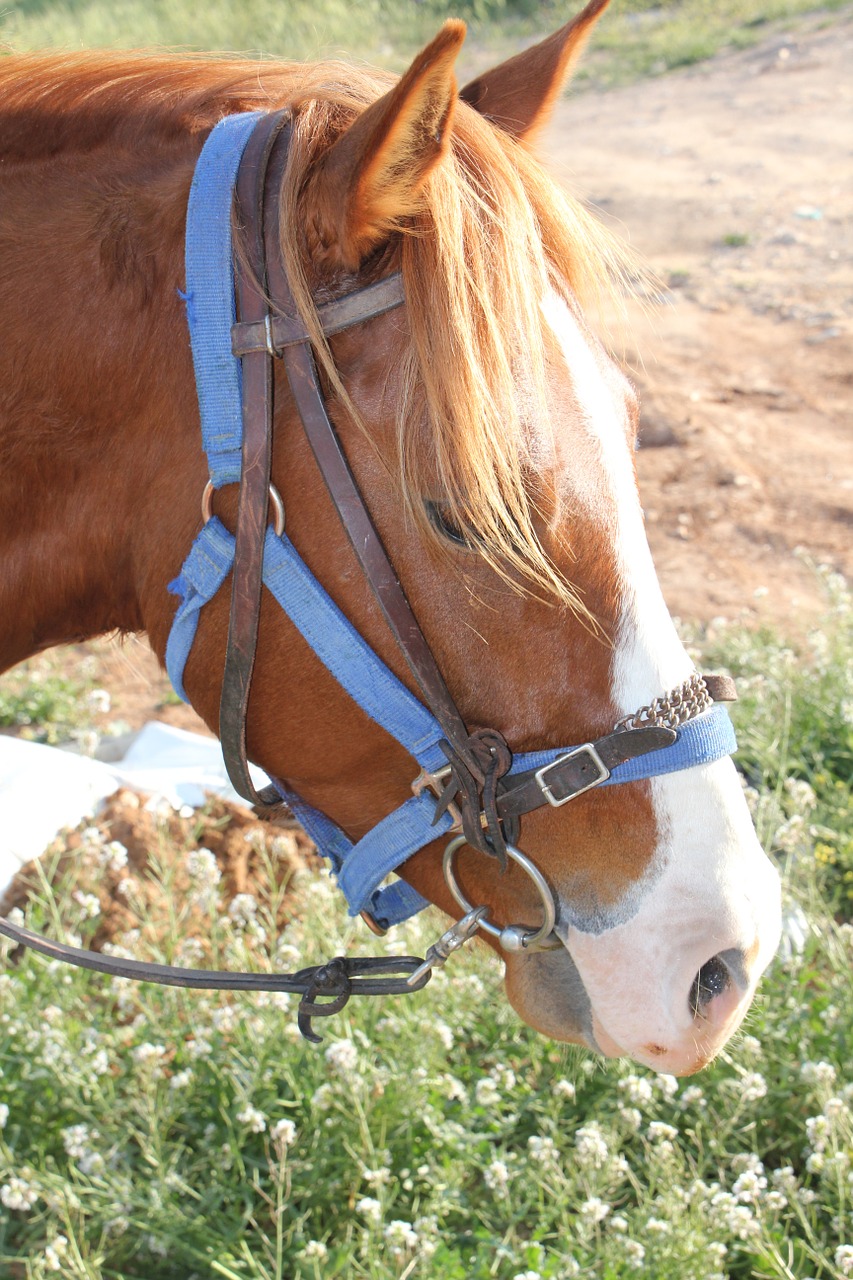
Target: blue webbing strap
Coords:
[[211, 309], [204, 571], [709, 737]]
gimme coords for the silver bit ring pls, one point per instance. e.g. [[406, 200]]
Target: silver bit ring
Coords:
[[512, 937]]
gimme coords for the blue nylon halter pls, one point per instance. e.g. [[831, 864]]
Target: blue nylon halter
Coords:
[[359, 867]]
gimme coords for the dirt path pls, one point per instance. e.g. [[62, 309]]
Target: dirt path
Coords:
[[734, 182]]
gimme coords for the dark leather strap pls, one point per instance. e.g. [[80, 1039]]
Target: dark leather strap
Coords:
[[577, 771], [336, 980], [253, 508], [349, 504], [342, 313], [721, 688]]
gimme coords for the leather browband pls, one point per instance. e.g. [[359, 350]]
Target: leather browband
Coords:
[[342, 313]]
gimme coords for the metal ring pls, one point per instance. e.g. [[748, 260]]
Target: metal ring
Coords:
[[513, 937], [275, 502]]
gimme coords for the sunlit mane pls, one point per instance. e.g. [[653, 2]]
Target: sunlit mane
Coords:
[[493, 235]]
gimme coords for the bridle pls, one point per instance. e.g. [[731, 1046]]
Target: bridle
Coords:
[[470, 786]]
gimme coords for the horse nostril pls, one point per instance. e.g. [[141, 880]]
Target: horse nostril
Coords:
[[711, 980]]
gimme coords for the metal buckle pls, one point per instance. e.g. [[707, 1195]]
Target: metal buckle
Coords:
[[587, 749], [434, 782]]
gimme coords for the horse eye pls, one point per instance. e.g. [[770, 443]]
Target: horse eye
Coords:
[[442, 521]]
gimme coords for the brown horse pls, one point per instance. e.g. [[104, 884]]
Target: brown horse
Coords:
[[489, 431]]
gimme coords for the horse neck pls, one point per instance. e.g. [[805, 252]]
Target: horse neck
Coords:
[[99, 444]]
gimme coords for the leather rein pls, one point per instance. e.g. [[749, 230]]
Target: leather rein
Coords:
[[477, 796]]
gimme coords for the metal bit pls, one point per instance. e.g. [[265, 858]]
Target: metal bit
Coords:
[[451, 940]]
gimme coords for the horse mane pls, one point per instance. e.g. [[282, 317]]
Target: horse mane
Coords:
[[493, 233]]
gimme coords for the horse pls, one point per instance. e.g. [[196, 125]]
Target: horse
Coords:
[[492, 437]]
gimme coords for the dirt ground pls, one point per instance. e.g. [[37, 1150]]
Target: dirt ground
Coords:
[[733, 181]]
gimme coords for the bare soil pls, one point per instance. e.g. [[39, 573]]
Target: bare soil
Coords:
[[733, 181]]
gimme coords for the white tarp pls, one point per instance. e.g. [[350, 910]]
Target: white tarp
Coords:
[[43, 789]]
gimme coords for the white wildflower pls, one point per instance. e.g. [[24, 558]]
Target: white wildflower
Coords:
[[632, 1117], [98, 702], [753, 1086], [486, 1093], [401, 1236], [749, 1186], [316, 1250], [18, 1194], [594, 1209], [4, 1114], [202, 865], [591, 1146], [658, 1227], [370, 1209], [283, 1133], [181, 1079], [243, 909], [88, 903], [148, 1054], [55, 1252], [635, 1254], [565, 1089], [342, 1057], [114, 856], [637, 1089], [496, 1177], [254, 1120], [527, 1275], [693, 1096], [542, 1149], [76, 1140], [618, 1223], [453, 1089], [819, 1073], [323, 1098], [844, 1259], [444, 1033], [658, 1131], [801, 794], [667, 1084]]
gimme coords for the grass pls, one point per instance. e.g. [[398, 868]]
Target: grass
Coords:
[[153, 1134], [45, 701], [635, 38]]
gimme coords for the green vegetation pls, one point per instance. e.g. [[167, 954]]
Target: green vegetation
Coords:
[[635, 38], [44, 702], [153, 1134]]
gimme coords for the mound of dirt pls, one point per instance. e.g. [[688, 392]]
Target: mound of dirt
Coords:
[[118, 858]]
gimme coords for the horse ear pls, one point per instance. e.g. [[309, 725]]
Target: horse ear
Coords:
[[519, 95], [370, 178]]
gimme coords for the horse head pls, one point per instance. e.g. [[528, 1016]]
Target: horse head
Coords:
[[492, 437]]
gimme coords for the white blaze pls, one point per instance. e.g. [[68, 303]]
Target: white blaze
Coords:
[[709, 887]]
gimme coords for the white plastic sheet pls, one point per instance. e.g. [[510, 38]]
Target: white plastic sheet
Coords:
[[43, 789]]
